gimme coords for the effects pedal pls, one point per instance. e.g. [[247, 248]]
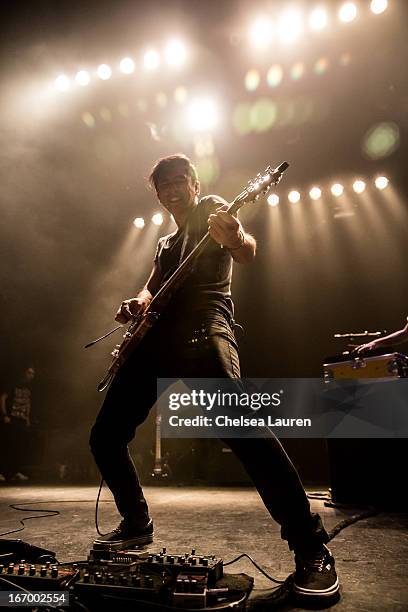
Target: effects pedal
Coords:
[[187, 563], [39, 577]]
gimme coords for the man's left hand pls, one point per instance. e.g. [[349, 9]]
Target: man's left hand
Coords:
[[225, 229]]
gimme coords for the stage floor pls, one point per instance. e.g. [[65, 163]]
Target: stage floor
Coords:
[[371, 555]]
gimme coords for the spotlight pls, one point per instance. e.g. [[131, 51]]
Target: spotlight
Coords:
[[82, 78], [139, 222], [127, 65], [321, 66], [104, 72], [347, 12], [273, 199], [180, 95], [381, 182], [151, 60], [315, 193], [252, 80], [318, 19], [261, 33], [157, 219], [290, 26], [62, 83], [297, 71], [175, 53], [378, 6], [294, 196], [275, 75], [202, 115], [359, 186], [337, 189]]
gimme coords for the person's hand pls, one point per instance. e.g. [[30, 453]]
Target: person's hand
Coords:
[[225, 229], [7, 419], [365, 348], [130, 308]]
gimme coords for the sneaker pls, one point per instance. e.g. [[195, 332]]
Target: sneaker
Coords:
[[125, 536], [316, 576], [20, 476]]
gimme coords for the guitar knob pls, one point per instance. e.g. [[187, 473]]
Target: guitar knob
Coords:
[[115, 352]]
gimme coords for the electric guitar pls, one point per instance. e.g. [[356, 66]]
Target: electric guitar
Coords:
[[143, 321]]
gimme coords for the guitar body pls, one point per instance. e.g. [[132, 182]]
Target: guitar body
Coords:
[[131, 340]]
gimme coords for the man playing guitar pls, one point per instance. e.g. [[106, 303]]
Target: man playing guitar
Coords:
[[201, 308]]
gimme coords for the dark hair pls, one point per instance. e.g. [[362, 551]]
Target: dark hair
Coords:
[[165, 162]]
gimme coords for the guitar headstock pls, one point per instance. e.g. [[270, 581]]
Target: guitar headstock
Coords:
[[263, 181]]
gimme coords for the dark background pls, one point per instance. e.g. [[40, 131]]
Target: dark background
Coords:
[[69, 193]]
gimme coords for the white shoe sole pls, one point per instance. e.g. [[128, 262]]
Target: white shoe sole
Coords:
[[329, 592], [123, 544]]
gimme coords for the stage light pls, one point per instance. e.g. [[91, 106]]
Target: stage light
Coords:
[[294, 196], [252, 80], [202, 115], [127, 65], [381, 182], [318, 19], [347, 12], [104, 72], [157, 219], [273, 199], [275, 75], [175, 53], [321, 66], [82, 78], [297, 71], [88, 119], [359, 186], [378, 6], [337, 189], [180, 95], [381, 140], [151, 60], [315, 193], [139, 222], [62, 83], [290, 26], [261, 33]]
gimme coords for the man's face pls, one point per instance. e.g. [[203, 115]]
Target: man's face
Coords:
[[29, 374], [176, 190]]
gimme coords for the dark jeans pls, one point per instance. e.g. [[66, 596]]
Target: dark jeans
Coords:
[[168, 353]]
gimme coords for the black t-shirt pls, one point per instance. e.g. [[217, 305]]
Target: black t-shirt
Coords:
[[18, 403], [207, 289]]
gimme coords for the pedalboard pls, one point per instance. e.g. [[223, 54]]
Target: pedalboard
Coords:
[[144, 579]]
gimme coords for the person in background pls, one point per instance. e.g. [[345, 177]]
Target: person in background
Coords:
[[397, 337], [15, 407]]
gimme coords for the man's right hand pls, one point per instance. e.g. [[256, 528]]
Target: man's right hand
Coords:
[[130, 308]]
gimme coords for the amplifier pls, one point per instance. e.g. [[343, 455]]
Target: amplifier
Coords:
[[391, 365]]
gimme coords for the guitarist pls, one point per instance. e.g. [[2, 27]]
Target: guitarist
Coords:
[[202, 311]]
